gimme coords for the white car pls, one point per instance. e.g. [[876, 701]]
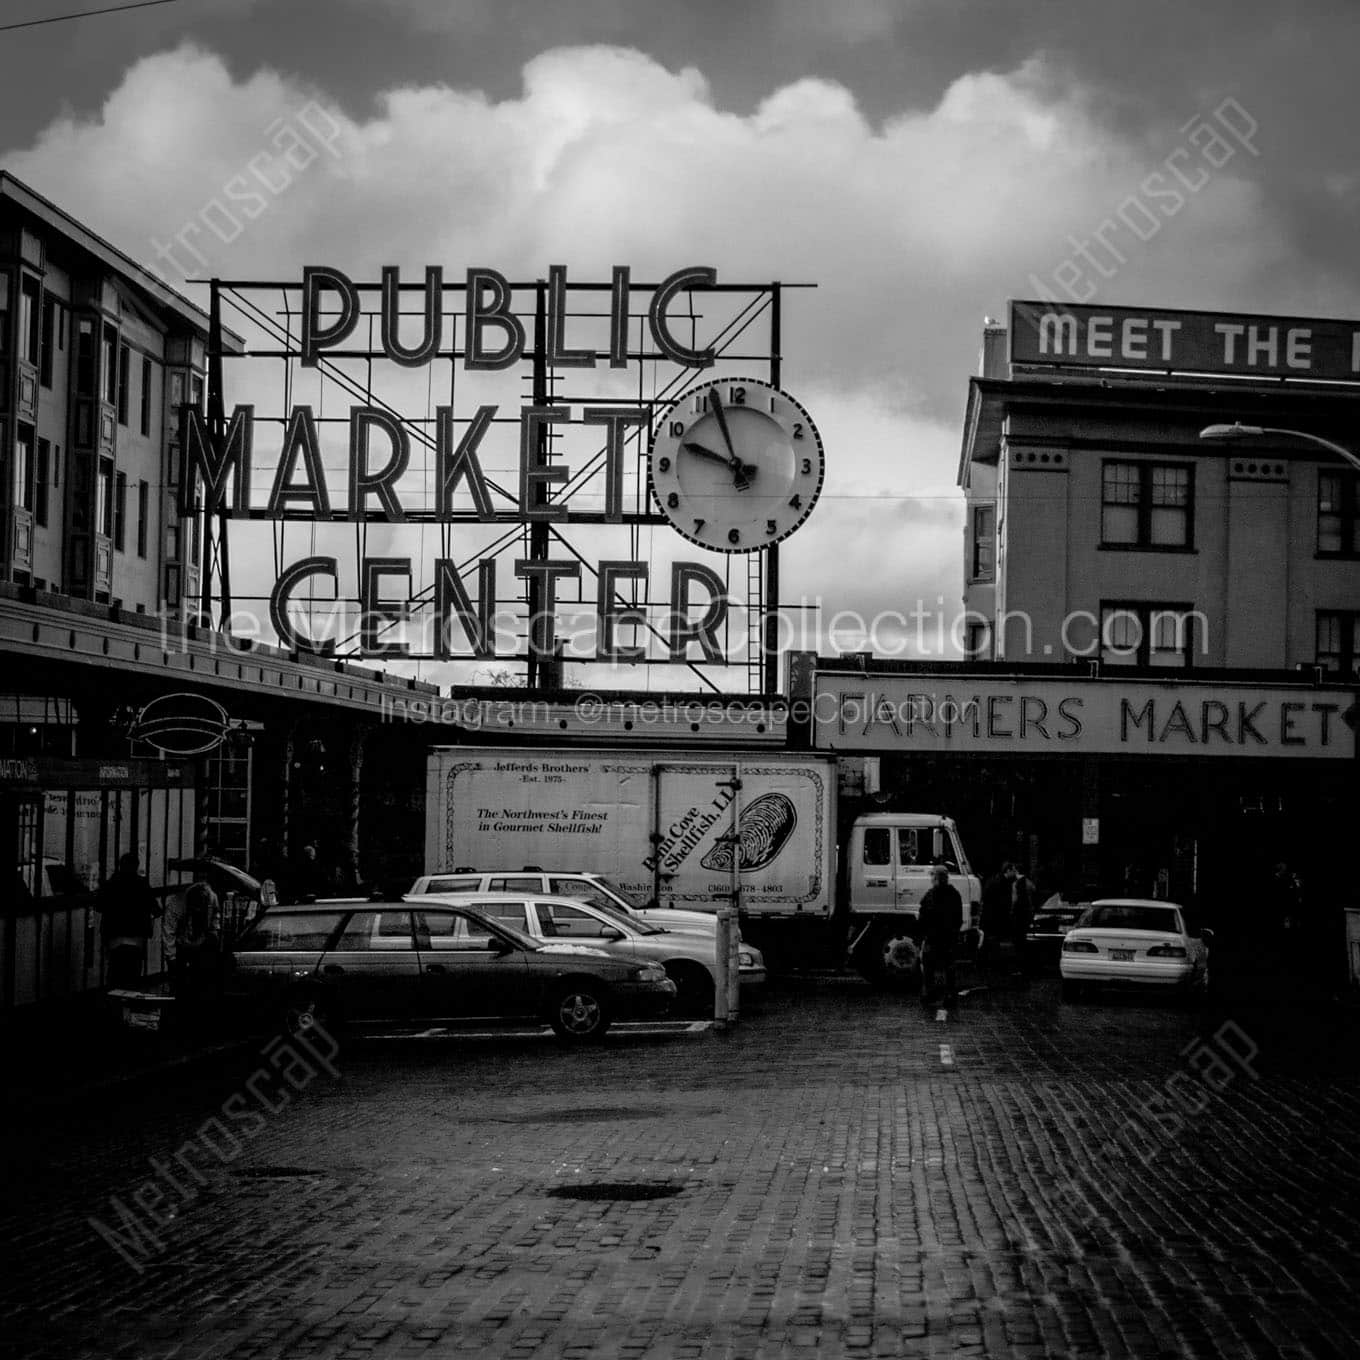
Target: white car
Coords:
[[1133, 941], [567, 924], [593, 889]]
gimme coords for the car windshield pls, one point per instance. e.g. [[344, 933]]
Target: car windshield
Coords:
[[617, 891], [634, 923], [1129, 917]]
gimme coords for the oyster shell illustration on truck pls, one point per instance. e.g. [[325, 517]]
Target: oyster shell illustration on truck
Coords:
[[763, 829]]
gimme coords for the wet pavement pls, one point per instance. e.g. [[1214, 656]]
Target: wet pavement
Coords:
[[838, 1176]]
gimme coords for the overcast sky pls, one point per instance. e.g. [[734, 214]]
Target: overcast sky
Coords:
[[921, 161]]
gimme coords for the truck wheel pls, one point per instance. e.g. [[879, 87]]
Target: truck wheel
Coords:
[[579, 1013], [894, 958], [694, 990]]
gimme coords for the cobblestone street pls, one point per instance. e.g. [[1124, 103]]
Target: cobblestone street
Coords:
[[840, 1175]]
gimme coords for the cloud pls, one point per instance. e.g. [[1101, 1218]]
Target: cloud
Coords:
[[912, 228]]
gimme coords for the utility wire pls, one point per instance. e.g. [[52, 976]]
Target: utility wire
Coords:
[[85, 14]]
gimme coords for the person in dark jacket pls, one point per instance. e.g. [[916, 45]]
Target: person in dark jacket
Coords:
[[940, 920], [997, 893], [127, 909]]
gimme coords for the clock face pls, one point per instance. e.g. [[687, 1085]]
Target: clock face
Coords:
[[736, 465]]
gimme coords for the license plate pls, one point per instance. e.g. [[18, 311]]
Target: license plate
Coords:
[[1122, 955]]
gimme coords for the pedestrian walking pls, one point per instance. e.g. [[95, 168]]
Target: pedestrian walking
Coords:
[[940, 920], [996, 914], [1022, 910], [128, 909], [199, 960]]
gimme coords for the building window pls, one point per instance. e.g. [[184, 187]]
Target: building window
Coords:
[[1147, 505], [4, 312], [120, 511], [1137, 633], [1338, 518], [40, 487], [23, 468], [145, 422], [85, 383], [103, 499], [110, 356], [1338, 642], [124, 378], [28, 319], [984, 543], [47, 340], [143, 516]]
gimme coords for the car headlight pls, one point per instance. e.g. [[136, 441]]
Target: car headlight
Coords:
[[745, 958], [651, 972]]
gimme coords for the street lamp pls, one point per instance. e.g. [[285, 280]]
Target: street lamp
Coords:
[[1227, 433]]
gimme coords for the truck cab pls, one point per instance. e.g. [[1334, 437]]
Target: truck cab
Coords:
[[889, 860]]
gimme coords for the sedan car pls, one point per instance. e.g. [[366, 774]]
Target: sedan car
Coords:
[[690, 961], [594, 889], [1048, 928], [1133, 941], [337, 961]]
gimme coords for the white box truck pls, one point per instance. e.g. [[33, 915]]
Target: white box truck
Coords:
[[680, 830]]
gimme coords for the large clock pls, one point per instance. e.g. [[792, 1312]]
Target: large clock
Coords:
[[736, 465]]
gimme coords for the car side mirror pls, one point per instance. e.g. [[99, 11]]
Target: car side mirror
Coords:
[[499, 947], [1206, 935], [611, 933]]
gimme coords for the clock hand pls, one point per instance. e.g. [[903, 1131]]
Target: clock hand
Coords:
[[715, 401], [741, 472]]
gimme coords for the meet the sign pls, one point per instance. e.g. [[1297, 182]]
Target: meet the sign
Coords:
[[1247, 345], [1081, 717]]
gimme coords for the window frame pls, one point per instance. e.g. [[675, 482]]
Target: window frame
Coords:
[[1144, 610], [30, 319], [124, 381], [42, 483], [22, 473], [1348, 657], [977, 572], [1348, 514], [1144, 507], [143, 517], [119, 510], [144, 416], [47, 340]]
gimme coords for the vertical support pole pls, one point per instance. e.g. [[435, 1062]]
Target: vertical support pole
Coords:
[[770, 630], [538, 670], [727, 994], [286, 803], [1090, 807], [356, 769]]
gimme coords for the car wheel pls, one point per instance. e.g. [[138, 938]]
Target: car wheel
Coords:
[[1072, 991], [304, 1012], [694, 990], [579, 1013]]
